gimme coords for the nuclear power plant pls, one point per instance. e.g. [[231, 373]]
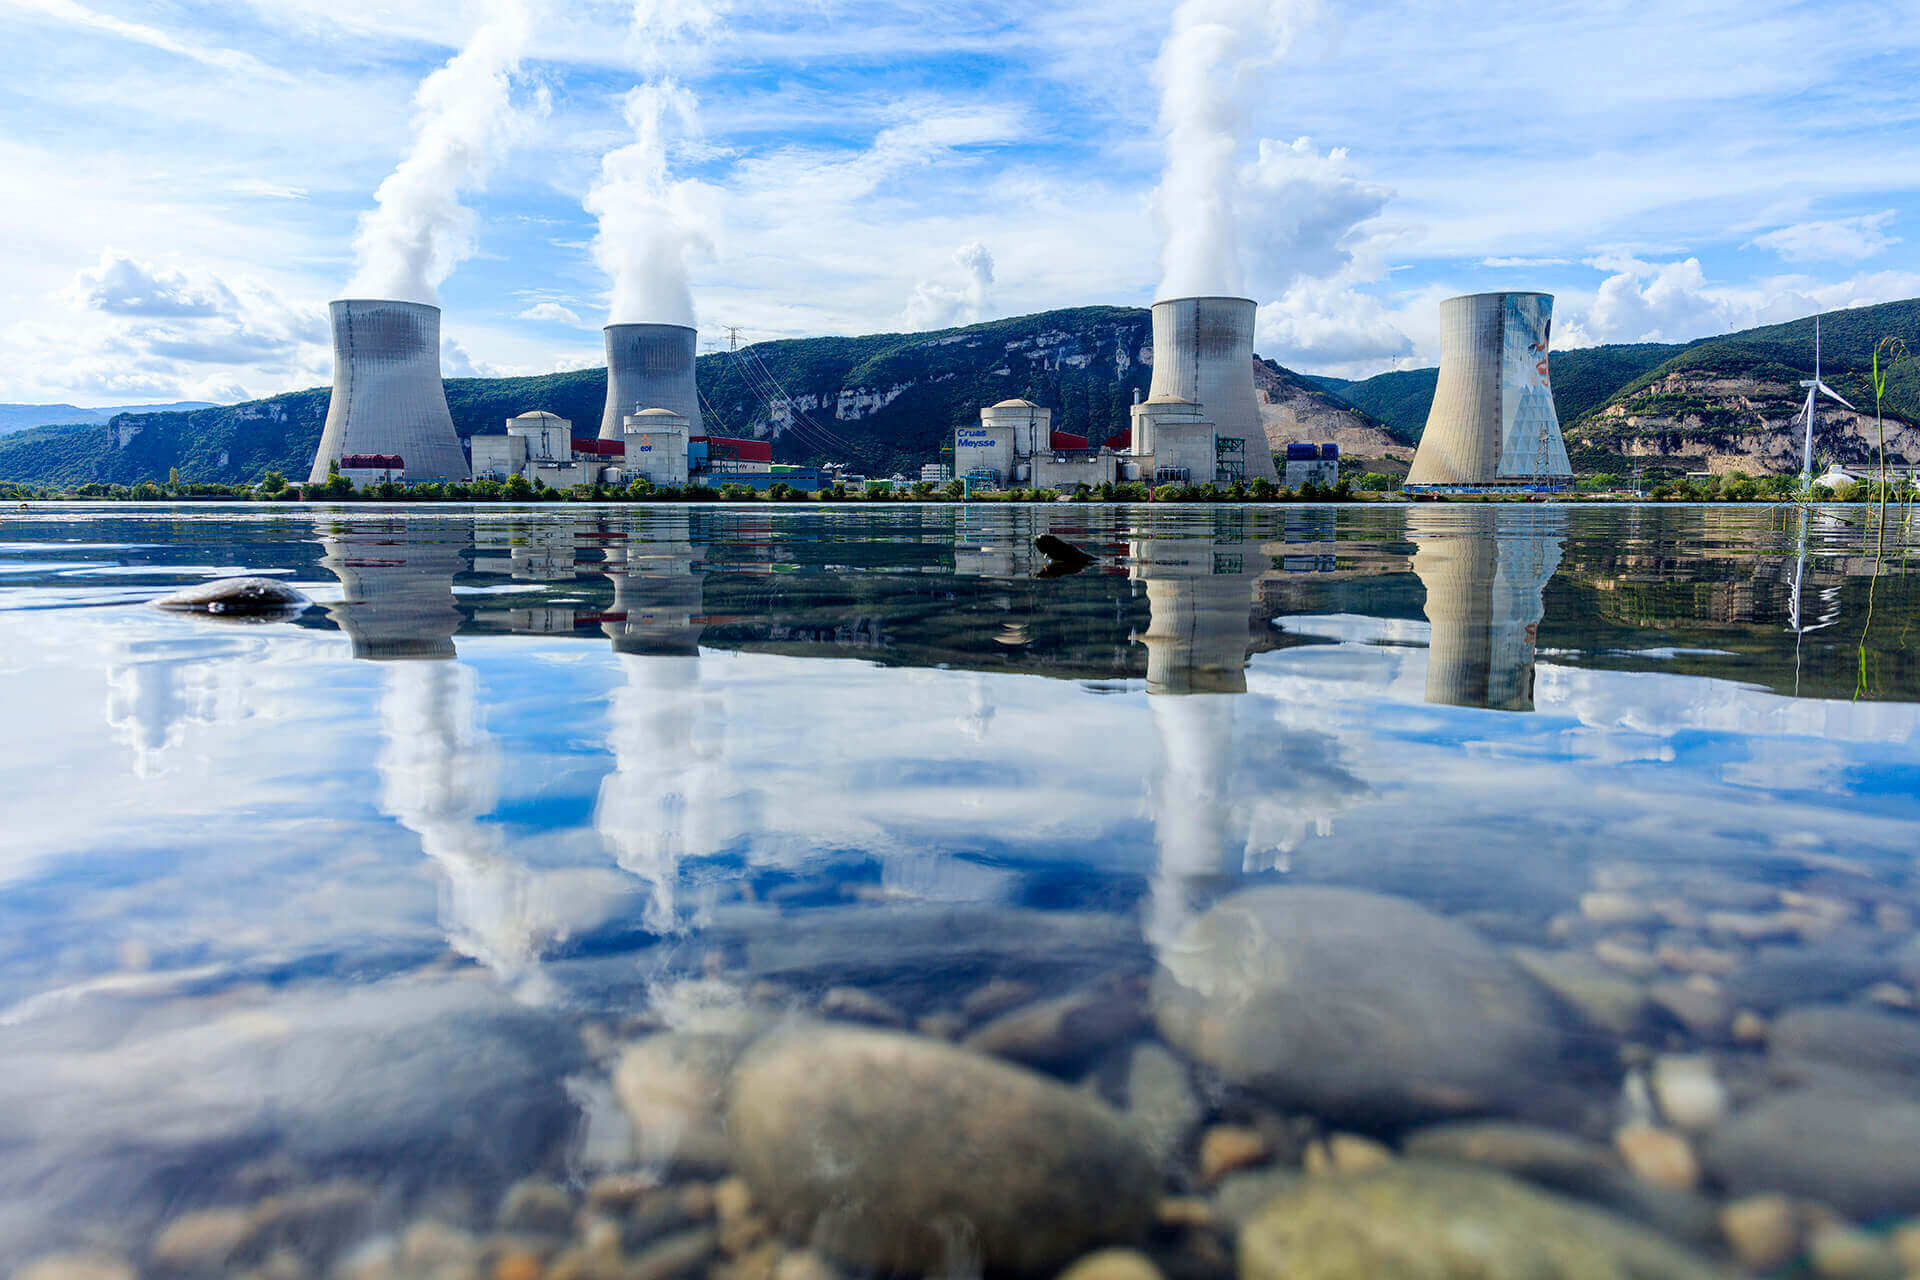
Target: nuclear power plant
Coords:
[[1203, 353], [1492, 428], [388, 402], [650, 366]]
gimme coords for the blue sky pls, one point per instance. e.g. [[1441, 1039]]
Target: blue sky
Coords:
[[188, 178]]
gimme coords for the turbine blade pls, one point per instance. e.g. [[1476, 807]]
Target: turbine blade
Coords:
[[1821, 386]]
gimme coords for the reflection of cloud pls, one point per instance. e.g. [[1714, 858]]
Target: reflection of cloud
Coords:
[[156, 688]]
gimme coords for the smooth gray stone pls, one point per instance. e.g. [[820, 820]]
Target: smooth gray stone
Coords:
[[902, 1153], [1858, 1041], [235, 595], [1355, 1006], [1413, 1221], [1854, 1151]]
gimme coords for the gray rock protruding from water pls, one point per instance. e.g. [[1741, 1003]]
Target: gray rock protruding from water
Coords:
[[235, 596], [1414, 1221], [1354, 1005], [1858, 1152], [899, 1153]]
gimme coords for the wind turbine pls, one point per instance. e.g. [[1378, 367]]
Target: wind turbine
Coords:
[[1814, 389]]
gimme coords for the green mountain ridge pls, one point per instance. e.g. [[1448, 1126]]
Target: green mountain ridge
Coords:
[[1728, 397]]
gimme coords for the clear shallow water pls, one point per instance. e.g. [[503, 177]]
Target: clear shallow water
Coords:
[[373, 904]]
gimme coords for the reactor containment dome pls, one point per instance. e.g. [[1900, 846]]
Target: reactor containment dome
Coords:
[[387, 396], [1493, 428], [1203, 352], [650, 366]]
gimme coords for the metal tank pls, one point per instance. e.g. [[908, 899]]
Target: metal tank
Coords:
[[1203, 351], [650, 366], [387, 396], [1493, 423]]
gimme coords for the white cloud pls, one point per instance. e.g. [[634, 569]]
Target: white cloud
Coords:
[[1326, 326], [121, 286], [1504, 264], [78, 15], [940, 304], [552, 312], [1838, 240], [1303, 212], [1642, 301]]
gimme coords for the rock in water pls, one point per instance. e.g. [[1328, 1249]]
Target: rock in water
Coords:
[[897, 1153], [1441, 1222], [1859, 1153], [1062, 556], [235, 596], [1354, 1005]]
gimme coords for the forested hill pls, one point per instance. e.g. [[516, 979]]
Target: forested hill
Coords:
[[1584, 378], [1731, 398], [881, 403]]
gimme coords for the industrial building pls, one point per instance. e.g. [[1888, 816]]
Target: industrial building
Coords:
[[1199, 424], [387, 399], [1493, 428], [657, 445], [1312, 464], [650, 366]]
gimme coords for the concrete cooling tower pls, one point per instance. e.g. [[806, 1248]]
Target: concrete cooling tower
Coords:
[[387, 396], [650, 366], [1484, 569], [1493, 424], [1203, 351], [396, 588]]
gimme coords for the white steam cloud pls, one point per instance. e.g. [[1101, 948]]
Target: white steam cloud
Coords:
[[652, 227], [464, 120], [936, 304], [1208, 71]]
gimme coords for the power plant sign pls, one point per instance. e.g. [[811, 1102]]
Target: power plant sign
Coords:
[[972, 438], [1530, 442]]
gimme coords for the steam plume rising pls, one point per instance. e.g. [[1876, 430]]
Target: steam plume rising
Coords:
[[651, 227], [1207, 72], [463, 121]]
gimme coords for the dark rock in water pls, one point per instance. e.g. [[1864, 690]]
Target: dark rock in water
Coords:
[[1062, 556], [428, 1078], [1814, 1042], [1441, 1222], [1831, 969], [897, 1153], [1857, 1152], [1536, 1154], [1354, 1006], [236, 596], [1059, 1032]]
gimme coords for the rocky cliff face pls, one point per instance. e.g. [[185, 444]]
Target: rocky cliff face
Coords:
[[1294, 411], [1724, 421]]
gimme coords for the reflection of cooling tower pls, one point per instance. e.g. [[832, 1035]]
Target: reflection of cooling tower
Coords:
[[650, 366], [1203, 351], [387, 395], [1484, 569], [1200, 597], [1493, 421], [656, 593], [396, 588]]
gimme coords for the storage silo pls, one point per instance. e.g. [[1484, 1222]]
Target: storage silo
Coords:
[[650, 366], [387, 395], [1203, 352], [1493, 425]]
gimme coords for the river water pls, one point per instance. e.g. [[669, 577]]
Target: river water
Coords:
[[779, 892]]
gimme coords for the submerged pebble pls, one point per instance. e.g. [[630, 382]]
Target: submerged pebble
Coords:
[[1354, 1005], [1858, 1152], [892, 1151], [1413, 1221]]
